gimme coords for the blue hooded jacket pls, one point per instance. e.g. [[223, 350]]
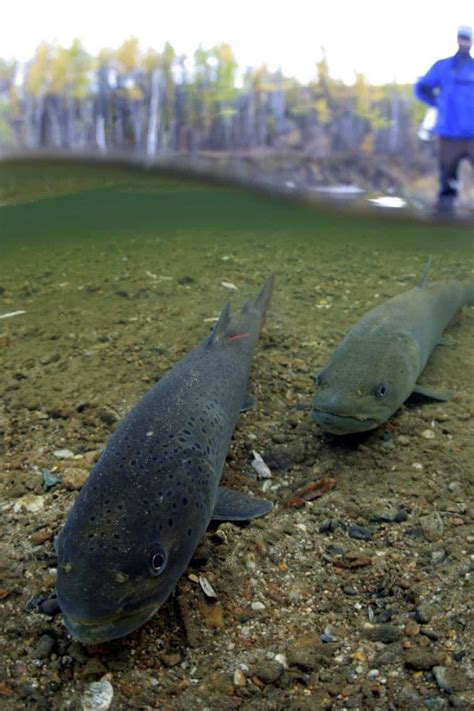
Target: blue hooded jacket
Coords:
[[449, 86]]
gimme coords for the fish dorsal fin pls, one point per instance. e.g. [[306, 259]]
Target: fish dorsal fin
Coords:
[[424, 276], [219, 330]]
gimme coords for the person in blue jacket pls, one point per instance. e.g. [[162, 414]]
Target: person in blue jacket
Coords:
[[449, 86]]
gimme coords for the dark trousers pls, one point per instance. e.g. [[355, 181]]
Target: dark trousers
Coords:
[[451, 152]]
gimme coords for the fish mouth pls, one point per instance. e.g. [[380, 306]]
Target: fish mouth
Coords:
[[343, 424], [90, 631]]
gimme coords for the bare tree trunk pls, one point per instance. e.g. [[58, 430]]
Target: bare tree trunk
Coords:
[[30, 122], [100, 133], [52, 111], [153, 115], [394, 123], [70, 120]]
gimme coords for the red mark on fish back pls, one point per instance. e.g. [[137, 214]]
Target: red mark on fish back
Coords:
[[238, 336]]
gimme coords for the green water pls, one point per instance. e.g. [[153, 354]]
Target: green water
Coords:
[[87, 249], [123, 244], [119, 274]]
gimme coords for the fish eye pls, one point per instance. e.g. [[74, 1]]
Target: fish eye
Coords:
[[157, 560], [381, 390]]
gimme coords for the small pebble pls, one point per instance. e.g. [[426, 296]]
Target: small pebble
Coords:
[[450, 680], [412, 628], [98, 696], [94, 669], [74, 478], [429, 633], [281, 659], [328, 526], [305, 652], [409, 697], [359, 532], [383, 516], [327, 636], [239, 678], [401, 516], [43, 648], [49, 358], [41, 536], [347, 590], [422, 659], [424, 613], [50, 607], [257, 606], [172, 660], [434, 703], [384, 633], [250, 562], [432, 526], [63, 454], [29, 502], [269, 671], [428, 434], [437, 557]]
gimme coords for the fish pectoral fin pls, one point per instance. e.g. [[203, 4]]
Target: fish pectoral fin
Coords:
[[233, 505], [442, 395], [248, 403]]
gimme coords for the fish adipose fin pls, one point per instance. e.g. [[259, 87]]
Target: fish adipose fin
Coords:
[[248, 403], [233, 505], [442, 395]]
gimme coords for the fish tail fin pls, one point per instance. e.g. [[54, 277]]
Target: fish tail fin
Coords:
[[224, 323], [467, 284], [262, 302], [424, 275]]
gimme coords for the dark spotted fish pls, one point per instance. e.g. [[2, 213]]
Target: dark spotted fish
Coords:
[[376, 366], [149, 499]]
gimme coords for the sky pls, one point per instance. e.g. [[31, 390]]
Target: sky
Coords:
[[386, 41]]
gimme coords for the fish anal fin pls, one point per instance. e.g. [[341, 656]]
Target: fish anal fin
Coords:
[[233, 505], [430, 394]]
